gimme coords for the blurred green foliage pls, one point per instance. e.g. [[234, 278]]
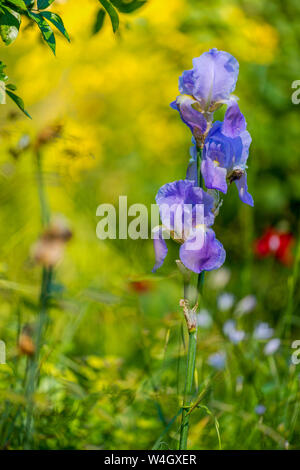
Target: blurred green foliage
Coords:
[[113, 358]]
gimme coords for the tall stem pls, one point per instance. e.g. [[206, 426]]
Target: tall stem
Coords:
[[33, 370], [45, 212], [192, 348], [191, 358], [285, 328]]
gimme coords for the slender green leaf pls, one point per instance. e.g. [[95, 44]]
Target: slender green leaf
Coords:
[[42, 4], [56, 21], [114, 17], [99, 21], [10, 86], [45, 29], [217, 426], [18, 3], [158, 442], [128, 7], [9, 25], [19, 102]]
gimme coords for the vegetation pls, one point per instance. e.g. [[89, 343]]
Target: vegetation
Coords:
[[96, 344]]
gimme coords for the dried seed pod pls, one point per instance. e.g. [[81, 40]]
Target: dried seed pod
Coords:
[[48, 134], [26, 344], [49, 249]]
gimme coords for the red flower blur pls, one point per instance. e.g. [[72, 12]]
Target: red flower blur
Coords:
[[276, 243], [141, 287]]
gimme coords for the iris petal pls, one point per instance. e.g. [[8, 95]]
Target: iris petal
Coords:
[[160, 248], [225, 152], [214, 175], [191, 116], [242, 186], [180, 203], [214, 76], [202, 252], [234, 121]]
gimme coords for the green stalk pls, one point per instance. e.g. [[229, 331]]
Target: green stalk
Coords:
[[199, 174], [191, 358], [33, 369], [285, 328], [192, 348], [45, 212]]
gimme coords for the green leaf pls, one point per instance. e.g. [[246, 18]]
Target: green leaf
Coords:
[[45, 29], [217, 426], [19, 102], [42, 4], [10, 86], [99, 21], [158, 442], [2, 92], [128, 7], [56, 21], [114, 17], [18, 3], [9, 25]]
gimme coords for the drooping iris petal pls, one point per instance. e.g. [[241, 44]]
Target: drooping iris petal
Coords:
[[242, 186], [234, 121], [190, 115], [202, 253], [160, 248], [246, 141], [214, 175], [212, 78]]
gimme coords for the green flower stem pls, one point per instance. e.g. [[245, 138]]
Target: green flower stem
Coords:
[[192, 348], [199, 174], [33, 369], [45, 212], [191, 358], [285, 328]]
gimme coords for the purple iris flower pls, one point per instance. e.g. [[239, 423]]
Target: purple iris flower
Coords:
[[212, 79], [186, 214], [205, 88], [225, 154]]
